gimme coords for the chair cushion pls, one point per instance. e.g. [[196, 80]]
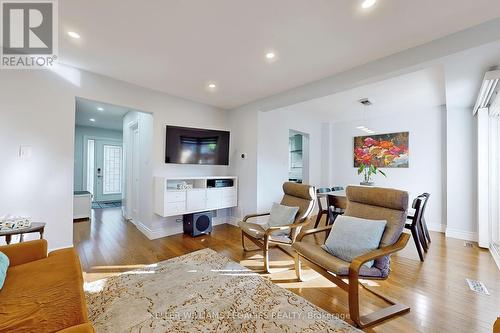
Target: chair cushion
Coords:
[[252, 229], [281, 215], [380, 204], [44, 295], [4, 265], [351, 237], [320, 257]]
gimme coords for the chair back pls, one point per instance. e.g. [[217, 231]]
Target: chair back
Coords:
[[299, 195], [322, 190], [376, 203], [425, 200], [418, 204]]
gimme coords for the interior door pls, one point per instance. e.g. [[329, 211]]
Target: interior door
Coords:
[[108, 170]]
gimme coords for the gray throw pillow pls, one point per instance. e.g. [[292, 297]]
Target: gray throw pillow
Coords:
[[281, 215], [352, 237]]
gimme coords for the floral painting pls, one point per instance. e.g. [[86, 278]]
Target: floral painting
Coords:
[[383, 151]]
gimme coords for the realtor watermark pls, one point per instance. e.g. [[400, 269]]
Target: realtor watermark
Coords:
[[262, 315], [29, 34]]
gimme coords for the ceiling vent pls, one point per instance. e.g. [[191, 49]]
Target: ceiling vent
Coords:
[[365, 102], [488, 93]]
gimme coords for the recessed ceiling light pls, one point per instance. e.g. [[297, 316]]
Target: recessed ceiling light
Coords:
[[368, 3], [212, 86], [361, 127], [92, 120], [100, 108], [270, 55], [74, 35]]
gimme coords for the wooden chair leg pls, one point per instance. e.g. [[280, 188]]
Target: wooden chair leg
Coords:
[[266, 254], [298, 267], [417, 243], [318, 218], [375, 317], [426, 231], [421, 236], [243, 241]]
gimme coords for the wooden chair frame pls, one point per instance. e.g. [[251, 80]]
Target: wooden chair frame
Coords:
[[267, 241], [352, 287]]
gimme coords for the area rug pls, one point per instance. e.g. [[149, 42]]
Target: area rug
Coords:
[[202, 292]]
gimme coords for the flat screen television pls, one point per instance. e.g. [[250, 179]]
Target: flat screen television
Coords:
[[196, 146]]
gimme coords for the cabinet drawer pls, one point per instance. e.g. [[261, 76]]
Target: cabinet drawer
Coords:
[[229, 201], [176, 196], [229, 192], [174, 208]]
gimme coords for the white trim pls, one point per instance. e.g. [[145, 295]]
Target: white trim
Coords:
[[174, 229], [461, 234], [437, 227], [496, 255]]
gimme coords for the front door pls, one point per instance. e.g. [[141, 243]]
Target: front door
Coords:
[[108, 170]]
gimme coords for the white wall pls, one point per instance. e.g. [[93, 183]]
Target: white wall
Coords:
[[38, 109], [273, 151], [427, 163], [244, 133]]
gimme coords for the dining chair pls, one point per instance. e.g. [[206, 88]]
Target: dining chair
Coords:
[[415, 226], [333, 211], [368, 203], [295, 195], [322, 211], [424, 232], [424, 223]]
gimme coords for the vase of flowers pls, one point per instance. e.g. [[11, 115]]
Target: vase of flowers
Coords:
[[369, 170], [372, 154]]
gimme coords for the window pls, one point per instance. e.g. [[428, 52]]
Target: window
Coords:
[[90, 165], [112, 173]]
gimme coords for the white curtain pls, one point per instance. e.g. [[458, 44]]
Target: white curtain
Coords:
[[488, 180]]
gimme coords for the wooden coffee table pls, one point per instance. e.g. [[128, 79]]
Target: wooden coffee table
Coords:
[[35, 227]]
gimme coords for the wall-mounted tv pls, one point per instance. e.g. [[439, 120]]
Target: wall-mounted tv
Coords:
[[196, 146]]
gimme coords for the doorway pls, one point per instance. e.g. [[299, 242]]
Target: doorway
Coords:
[[298, 157], [98, 169]]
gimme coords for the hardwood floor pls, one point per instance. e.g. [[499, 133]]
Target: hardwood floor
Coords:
[[436, 290]]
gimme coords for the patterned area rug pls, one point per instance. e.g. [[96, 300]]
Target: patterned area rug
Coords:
[[201, 292]]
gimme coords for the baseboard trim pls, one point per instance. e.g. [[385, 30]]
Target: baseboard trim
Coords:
[[436, 227], [177, 228], [495, 253], [461, 234]]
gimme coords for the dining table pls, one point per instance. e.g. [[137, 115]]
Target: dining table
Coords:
[[337, 199]]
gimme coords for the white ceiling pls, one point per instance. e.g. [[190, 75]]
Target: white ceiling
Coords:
[[178, 46], [411, 93], [109, 118]]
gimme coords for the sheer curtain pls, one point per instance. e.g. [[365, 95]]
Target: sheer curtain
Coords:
[[489, 181]]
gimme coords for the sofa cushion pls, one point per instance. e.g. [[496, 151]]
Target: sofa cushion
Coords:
[[4, 265], [44, 295]]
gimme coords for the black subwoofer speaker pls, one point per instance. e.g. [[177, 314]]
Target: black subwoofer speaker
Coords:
[[198, 223]]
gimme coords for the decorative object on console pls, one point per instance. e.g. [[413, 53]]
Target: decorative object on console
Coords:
[[9, 222], [382, 151], [235, 299], [197, 224]]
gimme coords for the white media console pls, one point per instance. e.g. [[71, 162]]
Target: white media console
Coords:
[[171, 199]]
